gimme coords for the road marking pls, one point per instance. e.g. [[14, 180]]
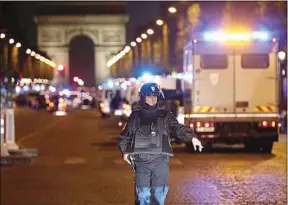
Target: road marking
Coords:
[[38, 131], [75, 160]]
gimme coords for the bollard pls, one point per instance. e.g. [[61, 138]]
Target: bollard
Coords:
[[10, 130], [4, 151], [10, 123]]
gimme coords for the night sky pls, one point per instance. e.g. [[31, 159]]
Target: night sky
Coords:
[[21, 15]]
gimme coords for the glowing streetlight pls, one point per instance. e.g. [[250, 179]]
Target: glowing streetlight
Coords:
[[143, 35], [80, 82], [150, 31], [32, 53], [28, 51], [159, 22], [127, 49], [138, 39], [18, 45], [122, 53], [75, 79], [60, 67], [281, 55], [133, 44], [2, 35], [11, 41], [172, 9]]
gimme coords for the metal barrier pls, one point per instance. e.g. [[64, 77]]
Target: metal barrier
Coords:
[[4, 151]]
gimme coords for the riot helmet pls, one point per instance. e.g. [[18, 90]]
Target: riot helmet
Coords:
[[151, 89]]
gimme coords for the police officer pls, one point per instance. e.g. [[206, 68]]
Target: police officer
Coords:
[[145, 143]]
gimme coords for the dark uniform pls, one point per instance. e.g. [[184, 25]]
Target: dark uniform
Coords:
[[146, 137]]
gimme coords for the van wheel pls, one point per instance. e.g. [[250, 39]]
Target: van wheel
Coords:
[[266, 146], [252, 146], [207, 147]]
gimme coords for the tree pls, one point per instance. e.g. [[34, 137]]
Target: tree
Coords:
[[226, 14], [193, 16], [273, 16]]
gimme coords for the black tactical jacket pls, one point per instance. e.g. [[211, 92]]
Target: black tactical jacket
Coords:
[[136, 139]]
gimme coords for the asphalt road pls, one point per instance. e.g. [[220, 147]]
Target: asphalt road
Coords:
[[79, 164]]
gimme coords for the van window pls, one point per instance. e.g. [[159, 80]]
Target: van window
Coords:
[[214, 61], [255, 61]]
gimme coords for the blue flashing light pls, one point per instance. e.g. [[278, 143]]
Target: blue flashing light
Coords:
[[260, 35], [222, 36], [147, 77], [110, 84]]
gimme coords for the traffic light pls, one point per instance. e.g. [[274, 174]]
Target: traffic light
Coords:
[[60, 69], [75, 79]]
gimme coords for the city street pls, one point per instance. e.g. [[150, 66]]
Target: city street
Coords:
[[78, 163]]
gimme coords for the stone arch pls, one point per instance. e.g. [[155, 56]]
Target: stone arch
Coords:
[[107, 33], [80, 32], [82, 61]]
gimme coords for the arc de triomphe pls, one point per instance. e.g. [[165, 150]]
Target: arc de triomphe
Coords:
[[108, 33]]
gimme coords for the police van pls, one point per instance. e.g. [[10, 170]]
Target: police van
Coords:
[[231, 88]]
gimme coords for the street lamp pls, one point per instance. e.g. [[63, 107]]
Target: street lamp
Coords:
[[28, 51], [133, 44], [138, 39], [18, 45], [2, 35], [281, 55], [150, 31], [80, 82], [144, 35], [32, 53], [11, 41], [159, 22], [60, 68], [172, 9], [127, 49], [75, 79]]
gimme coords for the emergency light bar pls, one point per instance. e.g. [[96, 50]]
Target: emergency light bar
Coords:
[[221, 36]]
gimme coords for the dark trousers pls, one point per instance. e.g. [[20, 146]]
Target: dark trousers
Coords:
[[151, 179]]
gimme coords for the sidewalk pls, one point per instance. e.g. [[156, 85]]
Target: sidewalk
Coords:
[[282, 138]]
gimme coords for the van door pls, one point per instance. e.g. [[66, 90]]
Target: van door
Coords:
[[256, 77], [214, 78]]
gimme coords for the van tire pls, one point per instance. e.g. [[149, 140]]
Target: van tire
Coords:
[[266, 146]]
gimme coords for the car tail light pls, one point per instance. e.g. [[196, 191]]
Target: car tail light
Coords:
[[265, 124], [204, 126]]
